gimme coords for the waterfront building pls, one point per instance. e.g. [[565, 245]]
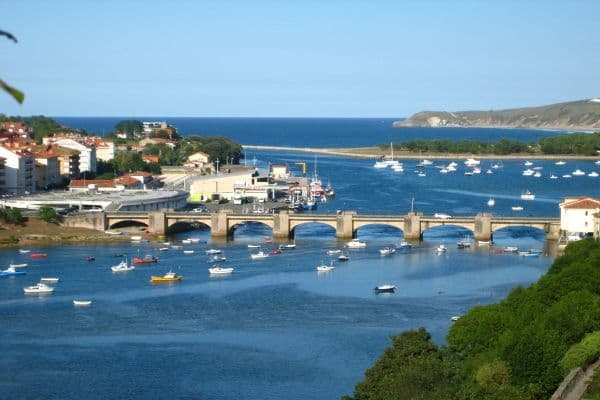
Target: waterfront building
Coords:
[[280, 171], [155, 127], [19, 168], [243, 182], [577, 215]]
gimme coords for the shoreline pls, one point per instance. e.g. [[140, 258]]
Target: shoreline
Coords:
[[377, 153]]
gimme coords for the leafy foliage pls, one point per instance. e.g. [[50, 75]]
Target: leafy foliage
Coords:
[[47, 214], [11, 216], [582, 353], [130, 126]]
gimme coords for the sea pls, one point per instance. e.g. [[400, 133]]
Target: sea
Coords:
[[275, 327]]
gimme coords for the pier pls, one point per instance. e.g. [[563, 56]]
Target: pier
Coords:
[[346, 224]]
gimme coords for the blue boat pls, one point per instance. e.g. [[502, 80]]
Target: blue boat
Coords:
[[11, 271]]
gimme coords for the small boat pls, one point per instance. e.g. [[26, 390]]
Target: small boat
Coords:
[[387, 251], [529, 254], [441, 249], [404, 245], [517, 208], [122, 267], [566, 176], [468, 173], [267, 239], [116, 233], [489, 172], [356, 244], [217, 258], [289, 246], [593, 174], [11, 271], [578, 172], [538, 251], [260, 255], [136, 238], [421, 174], [147, 259], [597, 162], [385, 288], [552, 176], [163, 248], [537, 175], [528, 172], [464, 243], [333, 252], [254, 246], [176, 247], [24, 251], [168, 277], [49, 280], [527, 195], [217, 270], [23, 265], [455, 318], [560, 163], [343, 258], [90, 258], [186, 241], [212, 251], [118, 255], [166, 243], [39, 288], [188, 252], [82, 303], [194, 240], [275, 252], [325, 268], [510, 249], [38, 255], [484, 242], [527, 163], [491, 202]]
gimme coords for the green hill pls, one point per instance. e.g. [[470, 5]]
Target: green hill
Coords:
[[582, 114]]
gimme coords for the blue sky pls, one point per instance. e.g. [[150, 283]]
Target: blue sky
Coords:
[[296, 58]]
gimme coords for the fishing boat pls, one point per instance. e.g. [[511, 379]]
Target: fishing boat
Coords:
[[147, 259], [11, 271], [387, 251], [23, 265], [90, 258], [333, 252], [24, 251], [510, 249], [343, 258], [212, 251], [441, 249], [168, 277], [527, 195], [82, 303], [122, 267], [356, 244], [517, 208], [49, 280], [387, 288], [38, 255], [217, 270], [491, 202], [39, 288], [188, 252], [258, 256]]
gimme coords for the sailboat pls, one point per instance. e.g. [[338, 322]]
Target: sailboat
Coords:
[[491, 202]]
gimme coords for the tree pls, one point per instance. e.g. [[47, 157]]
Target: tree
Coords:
[[130, 126], [14, 216], [47, 214]]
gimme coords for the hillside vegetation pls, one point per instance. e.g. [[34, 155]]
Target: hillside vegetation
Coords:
[[582, 114], [520, 348]]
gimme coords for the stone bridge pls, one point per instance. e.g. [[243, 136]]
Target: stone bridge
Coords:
[[345, 224]]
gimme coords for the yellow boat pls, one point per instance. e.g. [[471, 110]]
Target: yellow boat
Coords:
[[168, 277]]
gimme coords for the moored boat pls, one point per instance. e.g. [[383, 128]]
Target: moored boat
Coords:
[[491, 202], [343, 258], [38, 255], [260, 255], [11, 271], [82, 303], [441, 249], [122, 267], [404, 245], [212, 251], [24, 251], [217, 270], [147, 259], [49, 280], [387, 288], [516, 208], [356, 244], [188, 252], [39, 288], [325, 268], [168, 277], [510, 249], [90, 258], [275, 252], [23, 265], [387, 251], [527, 195]]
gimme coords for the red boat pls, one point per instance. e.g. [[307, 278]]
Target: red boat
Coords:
[[145, 260], [274, 252], [38, 255]]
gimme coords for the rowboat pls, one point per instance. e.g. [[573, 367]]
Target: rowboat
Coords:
[[168, 277], [38, 255], [17, 265], [82, 303], [24, 251]]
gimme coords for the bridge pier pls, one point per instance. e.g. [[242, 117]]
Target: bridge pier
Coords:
[[483, 227], [220, 225], [552, 232], [281, 225], [344, 225], [412, 226], [157, 222]]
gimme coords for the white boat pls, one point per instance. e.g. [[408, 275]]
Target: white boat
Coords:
[[217, 259], [489, 172], [528, 172], [356, 244], [17, 265], [166, 243], [552, 176], [537, 175], [476, 170], [471, 162], [527, 195], [578, 172], [212, 251], [188, 252], [427, 162], [527, 163], [122, 267], [289, 246], [333, 252], [495, 166], [404, 245], [517, 208], [398, 168], [380, 164], [421, 174], [260, 255], [186, 241], [441, 249], [441, 216], [491, 202], [510, 249], [468, 173], [566, 176], [176, 247], [49, 280], [593, 174], [253, 246], [163, 248], [216, 270], [82, 303], [464, 243], [387, 288], [597, 162], [387, 251], [40, 288], [484, 242], [560, 163], [538, 168], [194, 240], [455, 318], [444, 170], [136, 238], [325, 268], [116, 233], [24, 251]]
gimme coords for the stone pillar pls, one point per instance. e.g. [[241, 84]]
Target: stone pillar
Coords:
[[345, 225], [220, 225], [553, 232], [483, 227], [281, 225], [157, 222], [412, 226]]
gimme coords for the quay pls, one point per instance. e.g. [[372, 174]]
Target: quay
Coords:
[[346, 224]]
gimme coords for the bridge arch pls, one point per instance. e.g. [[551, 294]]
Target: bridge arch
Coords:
[[386, 228], [123, 223], [186, 225], [321, 228], [261, 227], [519, 231], [448, 229]]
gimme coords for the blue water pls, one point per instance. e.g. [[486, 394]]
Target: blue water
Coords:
[[308, 132], [274, 328]]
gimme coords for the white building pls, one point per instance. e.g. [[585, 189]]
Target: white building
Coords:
[[577, 215], [105, 150], [87, 154], [19, 169]]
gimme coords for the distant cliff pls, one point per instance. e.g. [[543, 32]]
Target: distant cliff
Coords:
[[582, 114]]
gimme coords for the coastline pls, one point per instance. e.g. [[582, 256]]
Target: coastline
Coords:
[[375, 152]]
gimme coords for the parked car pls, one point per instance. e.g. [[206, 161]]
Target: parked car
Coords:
[[441, 216]]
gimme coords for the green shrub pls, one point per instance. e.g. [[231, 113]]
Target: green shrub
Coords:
[[582, 354]]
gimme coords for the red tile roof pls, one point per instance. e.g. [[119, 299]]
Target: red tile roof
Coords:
[[140, 173], [128, 181], [584, 202], [106, 183]]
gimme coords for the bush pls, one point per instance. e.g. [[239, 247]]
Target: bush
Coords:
[[47, 214], [582, 354]]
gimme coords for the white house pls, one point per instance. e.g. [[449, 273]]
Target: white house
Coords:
[[87, 154], [577, 215], [19, 169]]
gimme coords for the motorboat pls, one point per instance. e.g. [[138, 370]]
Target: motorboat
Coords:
[[24, 251], [147, 259], [528, 172], [254, 246], [333, 252], [441, 216], [82, 303], [489, 172], [90, 258], [212, 251], [387, 288], [566, 176], [484, 242], [491, 202], [517, 208], [188, 252], [404, 245], [356, 244], [325, 268], [136, 238], [593, 174], [527, 163], [387, 251], [343, 258], [40, 288], [578, 172], [441, 249], [454, 318], [476, 170], [122, 267], [168, 277], [444, 170], [194, 240], [217, 270], [176, 247], [23, 265], [468, 173], [380, 164], [217, 258], [560, 163], [186, 241], [471, 162], [527, 195], [427, 162], [552, 176], [274, 252], [49, 280], [258, 256], [38, 255], [11, 271], [289, 246], [528, 254], [510, 249], [537, 175], [166, 243], [163, 248], [597, 162], [538, 168], [464, 243]]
